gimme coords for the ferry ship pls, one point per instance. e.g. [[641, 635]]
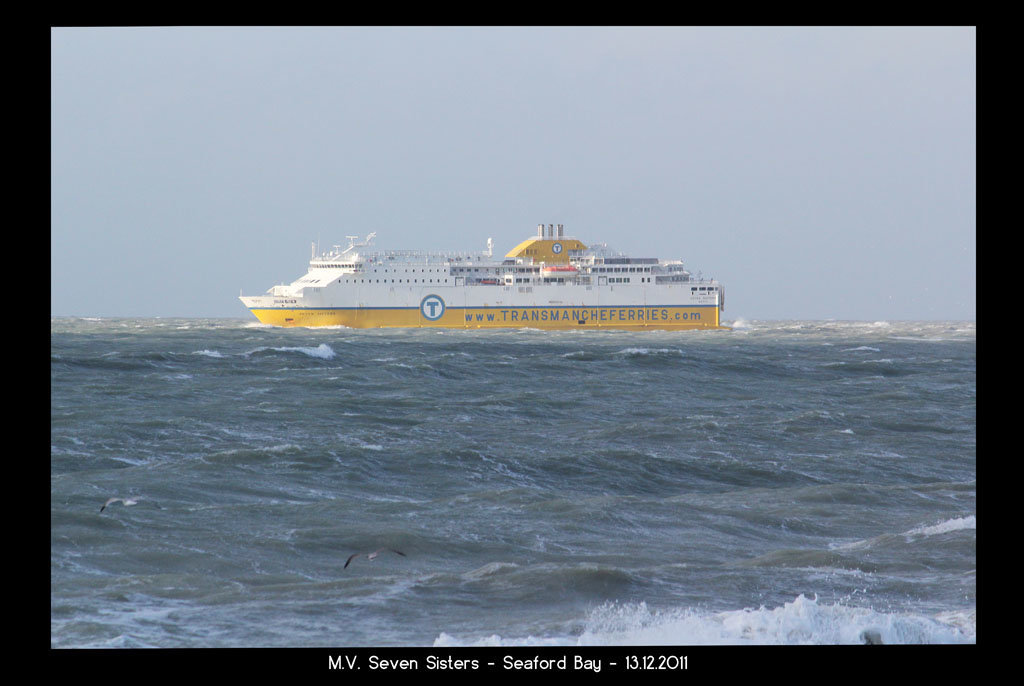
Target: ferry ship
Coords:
[[548, 281]]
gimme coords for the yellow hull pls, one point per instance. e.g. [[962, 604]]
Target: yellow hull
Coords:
[[631, 317]]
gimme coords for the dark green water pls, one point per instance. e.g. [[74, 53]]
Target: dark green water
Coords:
[[784, 482]]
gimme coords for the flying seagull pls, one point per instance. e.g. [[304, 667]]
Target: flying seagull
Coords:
[[371, 556], [126, 501]]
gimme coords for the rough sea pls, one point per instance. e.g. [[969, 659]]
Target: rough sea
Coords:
[[785, 482]]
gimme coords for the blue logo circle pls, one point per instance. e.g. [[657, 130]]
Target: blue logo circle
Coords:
[[432, 307], [556, 248]]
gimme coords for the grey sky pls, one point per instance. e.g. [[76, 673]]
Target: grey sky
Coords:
[[817, 172]]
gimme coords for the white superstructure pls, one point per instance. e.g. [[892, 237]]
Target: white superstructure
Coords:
[[355, 286]]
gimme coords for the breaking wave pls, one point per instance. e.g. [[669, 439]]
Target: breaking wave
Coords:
[[804, 621]]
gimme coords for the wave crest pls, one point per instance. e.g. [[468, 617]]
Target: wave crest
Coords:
[[804, 621]]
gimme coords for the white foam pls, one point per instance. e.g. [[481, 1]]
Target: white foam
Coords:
[[359, 443], [948, 526], [208, 353], [284, 447], [803, 621], [323, 351], [958, 524], [650, 351]]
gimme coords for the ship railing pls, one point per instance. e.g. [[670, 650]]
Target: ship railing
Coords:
[[422, 253], [331, 259]]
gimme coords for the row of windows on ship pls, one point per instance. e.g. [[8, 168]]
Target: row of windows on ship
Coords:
[[611, 279], [520, 270], [535, 270]]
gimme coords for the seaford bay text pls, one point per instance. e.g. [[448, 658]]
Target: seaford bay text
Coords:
[[433, 662]]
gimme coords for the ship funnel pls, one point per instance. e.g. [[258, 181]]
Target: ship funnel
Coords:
[[551, 230], [540, 231], [561, 232]]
